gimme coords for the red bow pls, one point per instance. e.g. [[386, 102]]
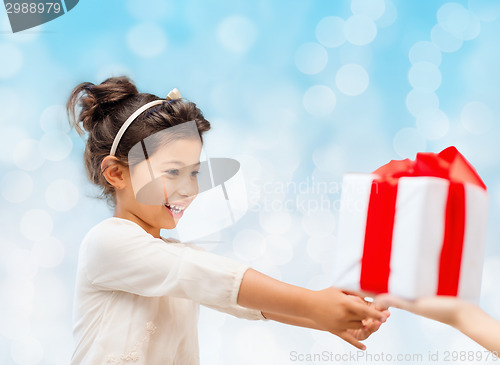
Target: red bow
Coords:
[[448, 164]]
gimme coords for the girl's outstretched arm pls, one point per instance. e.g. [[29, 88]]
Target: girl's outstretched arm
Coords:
[[466, 317], [329, 309]]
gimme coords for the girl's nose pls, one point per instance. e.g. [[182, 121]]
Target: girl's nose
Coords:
[[188, 186]]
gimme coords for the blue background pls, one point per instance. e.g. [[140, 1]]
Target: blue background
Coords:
[[299, 91]]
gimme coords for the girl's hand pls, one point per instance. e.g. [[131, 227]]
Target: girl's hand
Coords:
[[347, 316], [369, 325]]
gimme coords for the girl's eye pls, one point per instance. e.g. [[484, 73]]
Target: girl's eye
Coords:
[[194, 173], [173, 172]]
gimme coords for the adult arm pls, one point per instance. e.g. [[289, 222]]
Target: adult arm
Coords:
[[466, 317]]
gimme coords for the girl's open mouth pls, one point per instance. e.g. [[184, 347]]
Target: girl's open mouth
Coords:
[[175, 210]]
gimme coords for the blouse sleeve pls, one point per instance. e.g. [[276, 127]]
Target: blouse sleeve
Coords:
[[126, 258]]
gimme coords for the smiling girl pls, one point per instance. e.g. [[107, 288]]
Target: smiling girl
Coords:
[[137, 294]]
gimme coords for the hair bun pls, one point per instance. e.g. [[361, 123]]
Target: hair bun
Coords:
[[97, 101]]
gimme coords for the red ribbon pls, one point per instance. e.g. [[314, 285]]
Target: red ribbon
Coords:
[[449, 164]]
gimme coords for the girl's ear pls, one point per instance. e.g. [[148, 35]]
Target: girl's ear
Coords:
[[114, 172]]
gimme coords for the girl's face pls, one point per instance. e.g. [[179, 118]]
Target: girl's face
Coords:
[[168, 175]]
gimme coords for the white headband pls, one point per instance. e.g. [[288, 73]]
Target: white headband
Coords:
[[172, 95]]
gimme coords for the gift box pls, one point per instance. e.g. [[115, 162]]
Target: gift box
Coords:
[[413, 228]]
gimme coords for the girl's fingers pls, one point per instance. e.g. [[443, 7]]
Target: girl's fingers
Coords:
[[373, 326], [352, 292], [366, 311], [352, 340], [380, 306], [357, 299], [354, 325], [360, 334]]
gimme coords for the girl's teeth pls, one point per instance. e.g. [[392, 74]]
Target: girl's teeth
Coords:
[[174, 208]]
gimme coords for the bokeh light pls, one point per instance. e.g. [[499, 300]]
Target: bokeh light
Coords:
[[248, 244], [444, 40], [352, 79], [55, 146], [275, 222], [237, 33], [360, 30], [329, 31], [408, 141], [279, 250], [16, 186], [425, 76], [320, 249], [477, 117], [54, 119], [36, 224], [425, 51], [486, 10], [27, 155], [311, 58], [266, 265], [418, 100], [458, 21], [11, 137], [319, 100], [61, 195], [433, 123], [371, 8], [390, 15], [319, 223], [152, 10], [330, 158], [319, 282]]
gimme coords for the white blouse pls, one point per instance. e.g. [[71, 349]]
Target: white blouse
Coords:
[[137, 297]]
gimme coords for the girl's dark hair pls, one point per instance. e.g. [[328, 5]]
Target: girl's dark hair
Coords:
[[103, 108]]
